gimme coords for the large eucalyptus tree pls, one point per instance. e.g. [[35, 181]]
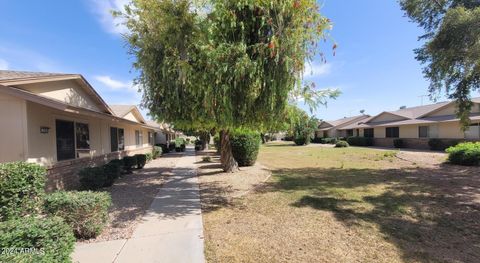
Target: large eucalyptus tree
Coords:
[[223, 64]]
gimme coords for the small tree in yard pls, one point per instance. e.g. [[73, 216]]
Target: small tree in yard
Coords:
[[223, 64]]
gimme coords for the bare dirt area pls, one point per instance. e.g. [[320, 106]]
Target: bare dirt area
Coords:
[[350, 205], [219, 189], [132, 195]]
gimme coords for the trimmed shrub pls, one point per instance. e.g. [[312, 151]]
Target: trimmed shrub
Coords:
[[112, 172], [199, 145], [317, 140], [22, 187], [329, 140], [129, 162], [441, 144], [85, 212], [171, 146], [156, 152], [398, 143], [341, 144], [300, 141], [40, 239], [92, 178], [467, 153], [141, 160], [149, 157], [164, 148], [245, 146], [360, 141]]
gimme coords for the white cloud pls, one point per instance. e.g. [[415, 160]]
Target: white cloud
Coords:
[[3, 64], [317, 70], [115, 84], [22, 58], [103, 9]]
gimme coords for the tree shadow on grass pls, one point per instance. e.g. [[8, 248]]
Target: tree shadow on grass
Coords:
[[430, 214]]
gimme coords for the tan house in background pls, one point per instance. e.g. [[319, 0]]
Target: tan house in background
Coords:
[[417, 125], [329, 129], [60, 121]]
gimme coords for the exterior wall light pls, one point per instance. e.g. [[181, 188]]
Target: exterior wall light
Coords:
[[44, 130]]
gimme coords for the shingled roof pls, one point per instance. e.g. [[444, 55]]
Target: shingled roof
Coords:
[[16, 75]]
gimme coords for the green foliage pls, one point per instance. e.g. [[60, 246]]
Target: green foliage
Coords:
[[341, 144], [329, 140], [141, 160], [129, 162], [360, 141], [465, 154], [245, 146], [226, 65], [441, 144], [85, 212], [117, 162], [398, 143], [300, 141], [21, 189], [452, 47], [50, 238], [217, 142], [112, 171], [157, 152], [92, 178]]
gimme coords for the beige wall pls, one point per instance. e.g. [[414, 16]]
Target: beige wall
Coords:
[[408, 131], [379, 132], [450, 130], [13, 143], [450, 110], [67, 91], [42, 147], [387, 117]]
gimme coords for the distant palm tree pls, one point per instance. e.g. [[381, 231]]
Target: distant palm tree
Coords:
[[362, 111]]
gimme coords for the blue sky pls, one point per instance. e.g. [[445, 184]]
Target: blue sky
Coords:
[[374, 66]]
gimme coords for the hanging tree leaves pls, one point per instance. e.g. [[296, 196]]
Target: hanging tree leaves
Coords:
[[223, 64]]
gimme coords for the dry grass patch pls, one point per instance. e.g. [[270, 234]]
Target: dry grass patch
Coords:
[[349, 205]]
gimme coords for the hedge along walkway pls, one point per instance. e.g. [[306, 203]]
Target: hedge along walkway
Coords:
[[171, 231]]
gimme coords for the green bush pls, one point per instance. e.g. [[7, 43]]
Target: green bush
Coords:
[[149, 156], [129, 162], [22, 186], [171, 146], [141, 160], [467, 153], [329, 140], [341, 144], [85, 212], [300, 141], [317, 140], [112, 172], [156, 152], [199, 145], [45, 240], [360, 141], [398, 143], [245, 146], [164, 148], [92, 178], [441, 144]]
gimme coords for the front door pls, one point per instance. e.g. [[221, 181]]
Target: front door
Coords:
[[65, 131]]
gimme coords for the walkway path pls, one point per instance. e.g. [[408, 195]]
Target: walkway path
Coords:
[[171, 231]]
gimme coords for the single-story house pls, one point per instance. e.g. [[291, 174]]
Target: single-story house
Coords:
[[59, 121], [417, 125], [327, 129], [166, 133]]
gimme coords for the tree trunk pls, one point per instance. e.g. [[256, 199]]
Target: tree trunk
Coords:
[[205, 138], [229, 164]]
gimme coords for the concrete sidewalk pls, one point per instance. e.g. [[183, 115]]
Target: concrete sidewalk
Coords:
[[171, 231]]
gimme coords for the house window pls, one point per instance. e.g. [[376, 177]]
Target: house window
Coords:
[[368, 133], [138, 138], [325, 134], [117, 139], [392, 132], [150, 138], [73, 140], [349, 133], [473, 131], [423, 131]]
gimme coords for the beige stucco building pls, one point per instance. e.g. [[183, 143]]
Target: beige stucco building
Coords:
[[334, 128], [417, 125], [60, 122]]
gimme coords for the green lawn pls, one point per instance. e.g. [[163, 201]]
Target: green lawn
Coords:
[[349, 205]]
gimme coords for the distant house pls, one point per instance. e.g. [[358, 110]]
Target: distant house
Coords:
[[60, 122], [417, 125], [334, 128]]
